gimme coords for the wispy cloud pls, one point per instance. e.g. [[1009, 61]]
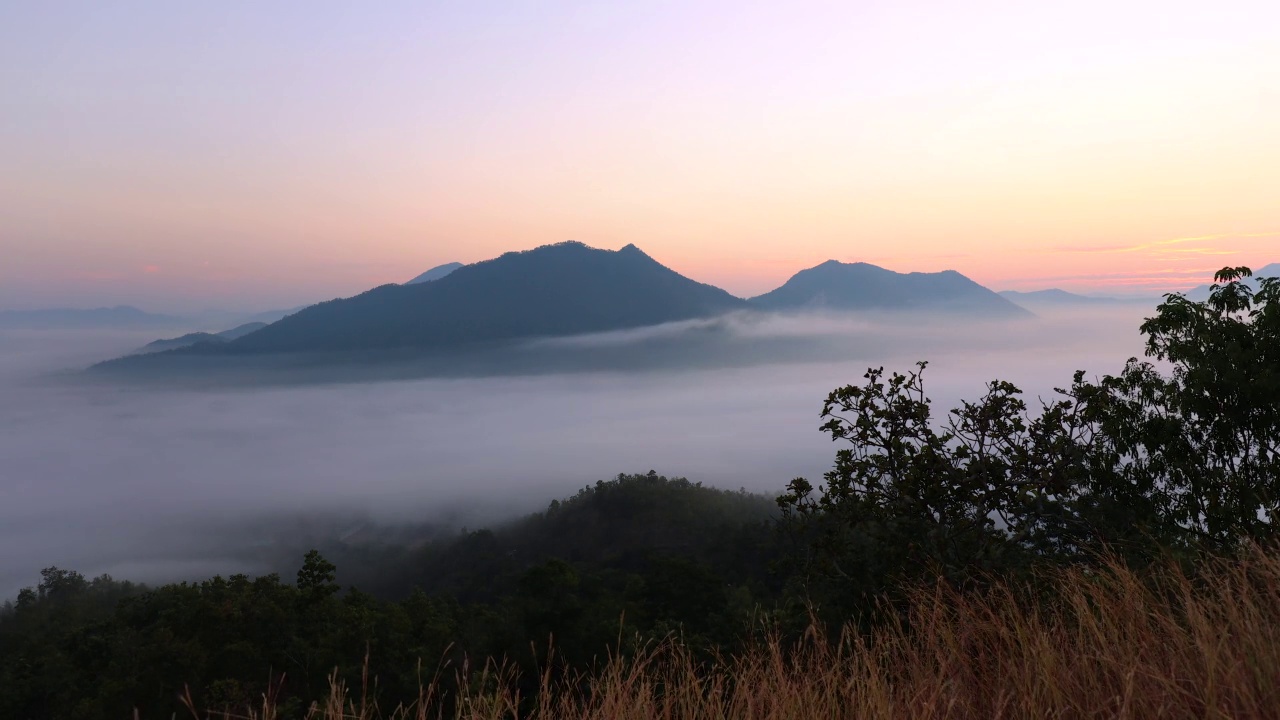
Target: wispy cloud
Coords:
[[1154, 280], [1204, 245]]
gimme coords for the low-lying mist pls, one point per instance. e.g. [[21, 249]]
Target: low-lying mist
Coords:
[[156, 483]]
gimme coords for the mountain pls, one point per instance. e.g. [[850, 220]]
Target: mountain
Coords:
[[554, 290], [269, 316], [435, 273], [214, 318], [1052, 296], [240, 331], [179, 342], [1201, 293], [1062, 298], [201, 337], [860, 286], [121, 316]]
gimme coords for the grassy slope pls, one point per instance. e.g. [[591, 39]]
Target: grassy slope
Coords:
[[1108, 644]]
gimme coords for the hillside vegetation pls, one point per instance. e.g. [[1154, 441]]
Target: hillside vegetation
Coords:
[[1112, 643]]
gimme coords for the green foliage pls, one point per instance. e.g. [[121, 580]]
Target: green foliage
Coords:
[[1201, 442], [636, 556], [914, 494], [1141, 463], [317, 577]]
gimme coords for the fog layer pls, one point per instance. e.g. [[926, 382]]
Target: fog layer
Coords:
[[156, 484]]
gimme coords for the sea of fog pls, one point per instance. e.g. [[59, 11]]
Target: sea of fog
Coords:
[[162, 483]]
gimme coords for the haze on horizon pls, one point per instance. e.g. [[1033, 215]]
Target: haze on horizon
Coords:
[[240, 155], [159, 483]]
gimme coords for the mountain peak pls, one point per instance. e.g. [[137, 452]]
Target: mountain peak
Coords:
[[630, 250], [839, 264], [862, 286], [565, 288], [563, 244], [562, 248], [435, 273]]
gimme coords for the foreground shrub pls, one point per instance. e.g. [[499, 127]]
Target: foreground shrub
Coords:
[[1111, 642]]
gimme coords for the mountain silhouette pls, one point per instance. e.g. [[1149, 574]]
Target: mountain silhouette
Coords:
[[861, 286], [554, 290], [1054, 296], [201, 337], [121, 316], [435, 273]]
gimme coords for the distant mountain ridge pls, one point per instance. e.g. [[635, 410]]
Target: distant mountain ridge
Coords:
[[835, 285], [120, 316], [465, 320], [1050, 296], [1057, 297], [554, 290], [201, 337], [435, 273]]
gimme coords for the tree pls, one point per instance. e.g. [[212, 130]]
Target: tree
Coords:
[[317, 578], [56, 583], [1138, 463], [980, 489], [1202, 441]]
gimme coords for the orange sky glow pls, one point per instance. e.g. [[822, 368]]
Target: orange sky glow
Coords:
[[235, 155]]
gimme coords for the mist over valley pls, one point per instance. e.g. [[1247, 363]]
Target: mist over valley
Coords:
[[163, 481]]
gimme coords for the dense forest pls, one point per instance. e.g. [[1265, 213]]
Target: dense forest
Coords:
[[1171, 462]]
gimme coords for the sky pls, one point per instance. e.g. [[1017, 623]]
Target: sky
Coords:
[[251, 155]]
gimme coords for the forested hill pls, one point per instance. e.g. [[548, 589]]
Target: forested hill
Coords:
[[621, 524], [554, 290], [638, 554], [861, 286], [198, 337]]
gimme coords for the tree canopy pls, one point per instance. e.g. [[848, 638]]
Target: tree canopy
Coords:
[[1176, 453]]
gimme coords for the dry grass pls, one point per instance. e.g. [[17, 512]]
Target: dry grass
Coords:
[[1109, 644]]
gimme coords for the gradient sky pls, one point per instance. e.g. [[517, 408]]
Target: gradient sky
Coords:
[[256, 155]]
